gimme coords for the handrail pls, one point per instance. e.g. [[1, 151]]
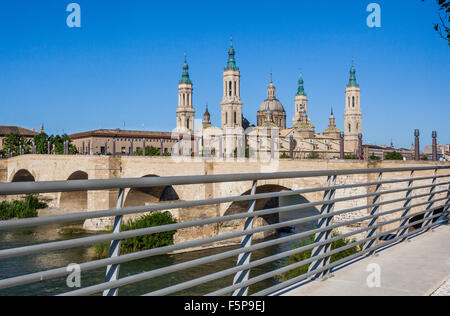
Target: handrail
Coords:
[[435, 211]]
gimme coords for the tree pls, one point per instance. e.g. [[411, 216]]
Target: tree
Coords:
[[149, 151], [394, 156], [444, 16], [14, 142], [40, 141], [58, 141], [373, 157], [313, 155]]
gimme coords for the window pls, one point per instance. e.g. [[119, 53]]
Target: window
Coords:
[[234, 117], [357, 127], [230, 88], [349, 128], [187, 123], [353, 101], [235, 88]]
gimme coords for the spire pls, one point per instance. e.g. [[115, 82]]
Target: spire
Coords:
[[352, 82], [271, 90], [231, 65], [206, 117], [332, 114], [185, 76], [301, 89]]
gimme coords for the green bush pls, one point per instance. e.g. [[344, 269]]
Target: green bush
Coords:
[[21, 209], [145, 242], [313, 155], [284, 156], [393, 156], [307, 254]]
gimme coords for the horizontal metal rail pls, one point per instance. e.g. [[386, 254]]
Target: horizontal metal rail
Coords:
[[178, 267], [436, 200], [109, 184], [76, 217]]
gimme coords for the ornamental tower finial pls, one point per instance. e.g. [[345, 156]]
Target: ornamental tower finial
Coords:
[[231, 65], [185, 76], [352, 82], [301, 89]]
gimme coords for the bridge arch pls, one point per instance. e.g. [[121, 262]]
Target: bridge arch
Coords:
[[269, 203], [23, 175], [150, 195], [75, 201]]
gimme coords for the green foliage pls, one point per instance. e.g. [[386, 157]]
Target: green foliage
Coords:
[[307, 254], [140, 243], [350, 157], [247, 152], [443, 28], [284, 156], [373, 157], [41, 143], [21, 209], [57, 142], [149, 151], [424, 158], [394, 156], [313, 155], [14, 142]]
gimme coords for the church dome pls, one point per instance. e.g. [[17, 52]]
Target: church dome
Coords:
[[272, 105]]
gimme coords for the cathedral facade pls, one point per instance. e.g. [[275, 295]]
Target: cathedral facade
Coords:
[[301, 139]]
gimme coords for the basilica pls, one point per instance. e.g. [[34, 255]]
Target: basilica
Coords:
[[300, 139]]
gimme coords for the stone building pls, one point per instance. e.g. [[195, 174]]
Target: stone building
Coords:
[[271, 115], [121, 142]]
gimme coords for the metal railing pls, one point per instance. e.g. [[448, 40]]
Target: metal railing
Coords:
[[375, 225]]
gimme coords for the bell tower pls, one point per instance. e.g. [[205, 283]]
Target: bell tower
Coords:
[[353, 114], [301, 100], [185, 110], [231, 105]]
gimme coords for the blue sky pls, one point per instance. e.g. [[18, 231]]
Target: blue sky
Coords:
[[122, 67]]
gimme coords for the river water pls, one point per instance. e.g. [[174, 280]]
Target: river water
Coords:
[[55, 259]]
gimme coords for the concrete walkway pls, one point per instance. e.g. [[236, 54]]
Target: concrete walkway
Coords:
[[416, 268]]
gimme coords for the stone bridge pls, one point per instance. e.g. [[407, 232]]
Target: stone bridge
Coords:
[[53, 168]]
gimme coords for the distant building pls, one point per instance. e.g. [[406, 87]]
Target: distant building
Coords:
[[428, 152], [382, 151], [6, 130], [103, 141]]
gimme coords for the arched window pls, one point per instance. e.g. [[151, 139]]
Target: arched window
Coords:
[[353, 99], [357, 127], [349, 128], [235, 88], [230, 88], [235, 118]]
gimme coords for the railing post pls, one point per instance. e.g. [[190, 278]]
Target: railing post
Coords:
[[402, 230], [374, 220], [427, 221], [112, 271], [244, 258], [446, 211], [327, 208]]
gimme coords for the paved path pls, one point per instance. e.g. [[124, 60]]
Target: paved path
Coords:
[[416, 268]]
